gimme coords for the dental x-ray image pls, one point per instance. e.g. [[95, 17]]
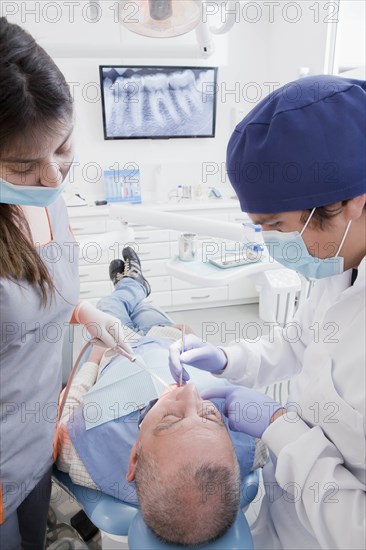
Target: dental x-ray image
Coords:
[[158, 102]]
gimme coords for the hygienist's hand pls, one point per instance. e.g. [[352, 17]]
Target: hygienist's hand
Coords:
[[248, 410], [106, 330], [196, 353]]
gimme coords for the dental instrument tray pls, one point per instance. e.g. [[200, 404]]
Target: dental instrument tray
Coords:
[[226, 261]]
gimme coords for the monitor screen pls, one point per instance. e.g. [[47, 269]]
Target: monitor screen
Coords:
[[158, 102]]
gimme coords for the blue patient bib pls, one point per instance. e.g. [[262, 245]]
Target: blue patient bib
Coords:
[[125, 386]]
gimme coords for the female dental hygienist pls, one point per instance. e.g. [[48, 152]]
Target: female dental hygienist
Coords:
[[39, 286], [297, 163]]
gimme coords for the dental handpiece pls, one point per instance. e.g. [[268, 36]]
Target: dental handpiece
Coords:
[[181, 372]]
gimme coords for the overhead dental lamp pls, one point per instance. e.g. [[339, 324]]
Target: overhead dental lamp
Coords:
[[161, 18], [171, 18]]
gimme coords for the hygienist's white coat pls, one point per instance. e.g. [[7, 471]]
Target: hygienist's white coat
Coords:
[[319, 459]]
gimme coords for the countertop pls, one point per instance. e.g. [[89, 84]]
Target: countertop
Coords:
[[186, 205]]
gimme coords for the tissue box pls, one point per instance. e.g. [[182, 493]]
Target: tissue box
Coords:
[[122, 186]]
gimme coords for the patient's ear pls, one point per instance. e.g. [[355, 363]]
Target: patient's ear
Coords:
[[130, 476]]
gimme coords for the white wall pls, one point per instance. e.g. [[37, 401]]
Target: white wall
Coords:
[[269, 43]]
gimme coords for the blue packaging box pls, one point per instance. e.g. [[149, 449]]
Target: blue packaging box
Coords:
[[122, 186]]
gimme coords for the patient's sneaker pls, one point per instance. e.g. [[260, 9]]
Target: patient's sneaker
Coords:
[[116, 268], [133, 268]]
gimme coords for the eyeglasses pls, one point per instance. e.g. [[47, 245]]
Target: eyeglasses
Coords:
[[145, 410]]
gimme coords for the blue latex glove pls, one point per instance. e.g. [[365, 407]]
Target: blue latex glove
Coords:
[[196, 353], [248, 410]]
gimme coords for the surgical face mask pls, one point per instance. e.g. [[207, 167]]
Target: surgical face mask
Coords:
[[289, 249], [32, 195]]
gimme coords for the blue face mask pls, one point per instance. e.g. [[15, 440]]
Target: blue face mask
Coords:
[[289, 249], [32, 195]]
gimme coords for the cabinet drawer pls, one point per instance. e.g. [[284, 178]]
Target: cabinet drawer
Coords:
[[153, 251], [153, 236], [160, 299], [154, 268], [199, 295], [95, 290], [179, 284], [88, 227], [93, 272], [93, 256], [160, 284], [243, 289]]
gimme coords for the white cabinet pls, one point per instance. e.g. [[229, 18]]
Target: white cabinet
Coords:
[[152, 250], [200, 296], [147, 236], [95, 290], [155, 247], [161, 299]]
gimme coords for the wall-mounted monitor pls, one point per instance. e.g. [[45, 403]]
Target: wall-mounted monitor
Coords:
[[158, 102]]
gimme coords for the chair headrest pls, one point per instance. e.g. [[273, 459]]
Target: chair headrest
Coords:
[[238, 537]]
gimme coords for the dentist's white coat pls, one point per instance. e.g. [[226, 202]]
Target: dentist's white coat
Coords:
[[316, 481]]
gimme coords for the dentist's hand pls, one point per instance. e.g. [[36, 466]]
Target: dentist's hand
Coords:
[[248, 410], [196, 353], [107, 331]]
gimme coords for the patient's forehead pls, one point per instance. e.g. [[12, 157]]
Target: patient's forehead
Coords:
[[188, 439]]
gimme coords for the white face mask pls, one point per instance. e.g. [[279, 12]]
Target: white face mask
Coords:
[[32, 195], [289, 249]]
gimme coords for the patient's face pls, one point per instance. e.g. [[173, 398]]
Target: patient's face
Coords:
[[182, 426]]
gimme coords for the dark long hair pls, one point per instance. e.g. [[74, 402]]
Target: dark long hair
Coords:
[[34, 100]]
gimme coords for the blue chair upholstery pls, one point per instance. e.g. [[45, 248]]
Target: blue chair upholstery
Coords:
[[238, 537], [249, 488], [118, 518], [107, 513]]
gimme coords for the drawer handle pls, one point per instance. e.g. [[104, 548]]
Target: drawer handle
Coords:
[[144, 253], [147, 270], [85, 291], [142, 238], [200, 297], [83, 275]]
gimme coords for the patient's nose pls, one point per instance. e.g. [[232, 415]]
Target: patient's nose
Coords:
[[188, 394]]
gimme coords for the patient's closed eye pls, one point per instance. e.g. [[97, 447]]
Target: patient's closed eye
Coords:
[[212, 416], [173, 415], [208, 415]]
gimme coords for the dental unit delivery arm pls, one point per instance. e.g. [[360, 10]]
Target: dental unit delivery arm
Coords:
[[247, 233]]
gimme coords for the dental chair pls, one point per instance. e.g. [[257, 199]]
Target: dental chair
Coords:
[[114, 517], [119, 519]]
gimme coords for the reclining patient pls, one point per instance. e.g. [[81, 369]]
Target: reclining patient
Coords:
[[129, 433]]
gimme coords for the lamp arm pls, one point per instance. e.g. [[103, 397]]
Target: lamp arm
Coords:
[[205, 42], [231, 7]]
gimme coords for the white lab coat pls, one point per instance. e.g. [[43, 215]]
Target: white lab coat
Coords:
[[316, 481]]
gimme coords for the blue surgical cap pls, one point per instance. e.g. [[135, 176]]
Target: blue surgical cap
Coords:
[[302, 147]]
